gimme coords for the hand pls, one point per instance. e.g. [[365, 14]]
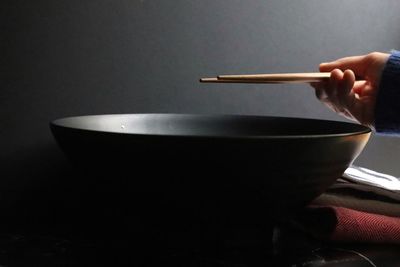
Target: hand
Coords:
[[354, 99]]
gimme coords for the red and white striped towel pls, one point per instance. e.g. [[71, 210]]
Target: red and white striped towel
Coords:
[[340, 224]]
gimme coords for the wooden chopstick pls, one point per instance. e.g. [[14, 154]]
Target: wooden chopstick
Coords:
[[216, 80], [279, 77]]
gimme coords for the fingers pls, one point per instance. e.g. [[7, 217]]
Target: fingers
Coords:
[[348, 97], [337, 92], [336, 77], [332, 89], [345, 87], [355, 63], [359, 87], [364, 89]]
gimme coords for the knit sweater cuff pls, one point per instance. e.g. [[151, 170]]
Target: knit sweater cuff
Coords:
[[387, 107]]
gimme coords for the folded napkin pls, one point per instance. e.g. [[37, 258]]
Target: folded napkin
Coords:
[[360, 175]]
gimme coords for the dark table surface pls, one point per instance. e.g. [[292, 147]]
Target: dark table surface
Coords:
[[290, 248]]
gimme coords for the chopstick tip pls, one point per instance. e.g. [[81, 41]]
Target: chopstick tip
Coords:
[[204, 80]]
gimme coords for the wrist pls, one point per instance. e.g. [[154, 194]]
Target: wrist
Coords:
[[387, 111]]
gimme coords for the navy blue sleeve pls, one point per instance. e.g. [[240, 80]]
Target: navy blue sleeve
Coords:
[[387, 107]]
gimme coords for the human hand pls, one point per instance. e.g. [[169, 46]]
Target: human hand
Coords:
[[354, 99]]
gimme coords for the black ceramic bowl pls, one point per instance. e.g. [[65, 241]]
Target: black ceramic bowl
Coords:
[[228, 169]]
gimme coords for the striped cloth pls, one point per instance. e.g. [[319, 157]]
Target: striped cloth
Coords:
[[340, 224], [363, 206]]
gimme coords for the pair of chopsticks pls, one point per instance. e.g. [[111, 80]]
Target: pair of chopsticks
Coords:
[[308, 77]]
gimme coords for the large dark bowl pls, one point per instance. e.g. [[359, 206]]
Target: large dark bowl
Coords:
[[185, 169]]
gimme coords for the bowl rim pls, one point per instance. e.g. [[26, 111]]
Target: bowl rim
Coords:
[[61, 123]]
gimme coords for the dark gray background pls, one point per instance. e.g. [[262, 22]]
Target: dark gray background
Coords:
[[64, 58]]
